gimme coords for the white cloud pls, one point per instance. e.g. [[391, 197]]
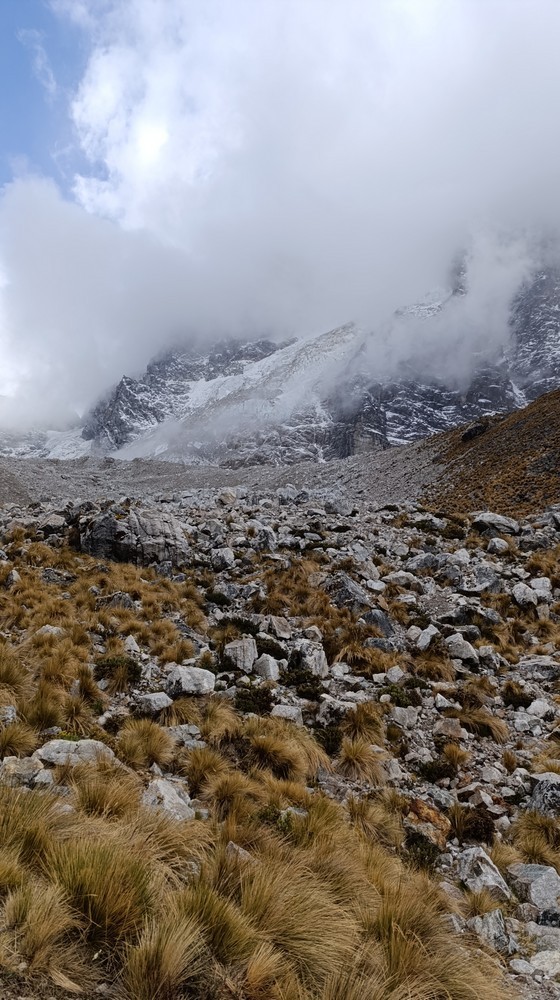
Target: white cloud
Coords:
[[33, 40], [280, 166]]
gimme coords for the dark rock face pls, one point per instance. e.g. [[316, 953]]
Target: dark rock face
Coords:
[[358, 415], [138, 404], [137, 536], [265, 403]]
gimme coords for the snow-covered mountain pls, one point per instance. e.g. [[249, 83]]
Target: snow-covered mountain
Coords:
[[313, 399]]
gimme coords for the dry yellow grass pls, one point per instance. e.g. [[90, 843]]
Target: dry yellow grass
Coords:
[[321, 908], [142, 743]]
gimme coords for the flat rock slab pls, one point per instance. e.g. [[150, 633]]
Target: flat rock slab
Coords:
[[72, 752]]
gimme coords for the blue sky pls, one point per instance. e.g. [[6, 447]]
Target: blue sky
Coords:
[[42, 58]]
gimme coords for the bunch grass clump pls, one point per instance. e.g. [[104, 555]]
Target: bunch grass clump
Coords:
[[274, 891]]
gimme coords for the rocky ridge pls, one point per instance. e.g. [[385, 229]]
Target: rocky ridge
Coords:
[[325, 397]]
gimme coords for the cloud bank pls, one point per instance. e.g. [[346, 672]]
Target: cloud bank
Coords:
[[278, 167]]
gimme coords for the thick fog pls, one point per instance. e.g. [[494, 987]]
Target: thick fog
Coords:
[[279, 167]]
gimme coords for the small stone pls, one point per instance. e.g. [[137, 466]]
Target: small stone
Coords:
[[223, 558], [546, 794], [16, 771], [279, 627], [50, 630], [497, 546], [490, 775], [395, 675], [441, 702], [521, 968], [492, 929], [131, 646], [313, 657]]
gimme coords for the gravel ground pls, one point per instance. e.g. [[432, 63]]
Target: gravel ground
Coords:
[[379, 477]]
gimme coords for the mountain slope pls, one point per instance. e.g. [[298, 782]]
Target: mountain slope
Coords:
[[508, 464], [327, 396], [319, 399]]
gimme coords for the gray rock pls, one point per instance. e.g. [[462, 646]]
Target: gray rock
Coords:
[[536, 884], [499, 523], [53, 524], [189, 680], [50, 630], [378, 618], [140, 536], [450, 728], [223, 558], [524, 596], [546, 794], [241, 654], [279, 627], [426, 637], [441, 703], [72, 752], [266, 667], [313, 657], [170, 797], [492, 929], [543, 588], [491, 775], [152, 704], [401, 578], [478, 872], [547, 962], [118, 600], [497, 546], [346, 593], [16, 771], [395, 675], [183, 734], [540, 709], [520, 967], [12, 579], [405, 717], [131, 645], [460, 649], [290, 712]]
